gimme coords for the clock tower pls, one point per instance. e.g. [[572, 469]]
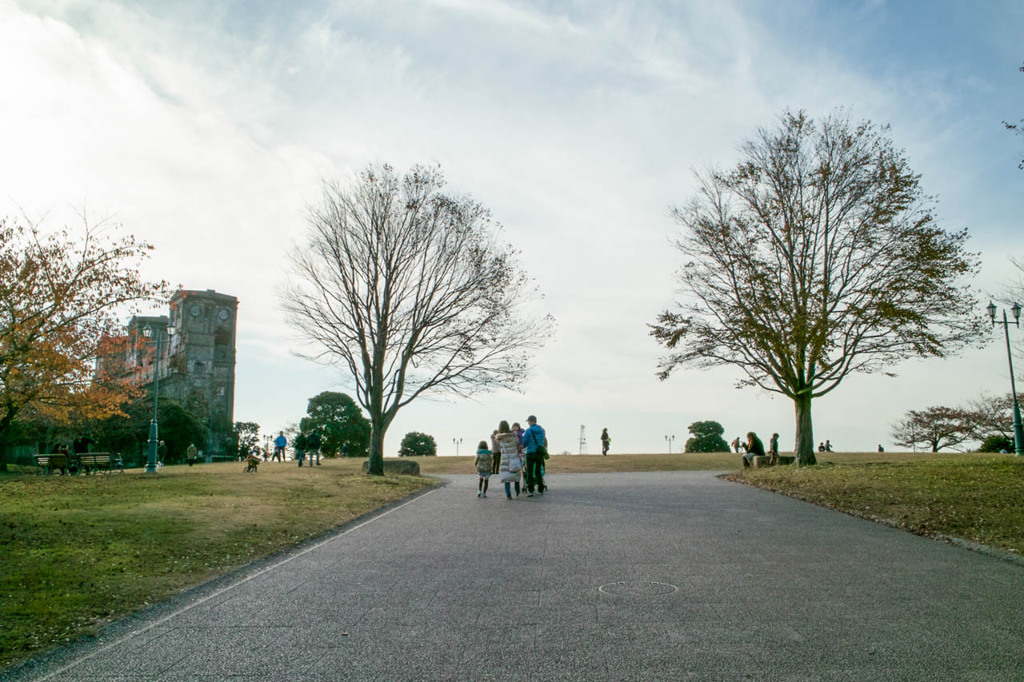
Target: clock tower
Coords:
[[200, 370]]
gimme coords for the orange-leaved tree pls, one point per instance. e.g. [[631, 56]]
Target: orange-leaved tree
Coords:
[[60, 295]]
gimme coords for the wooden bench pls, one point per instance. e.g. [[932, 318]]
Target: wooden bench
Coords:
[[96, 461], [45, 464]]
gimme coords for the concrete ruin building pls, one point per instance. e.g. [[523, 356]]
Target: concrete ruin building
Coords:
[[197, 358]]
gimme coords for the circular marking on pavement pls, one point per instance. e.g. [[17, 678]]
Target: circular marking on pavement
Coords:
[[638, 588]]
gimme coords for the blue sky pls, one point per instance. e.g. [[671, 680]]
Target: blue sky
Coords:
[[206, 129]]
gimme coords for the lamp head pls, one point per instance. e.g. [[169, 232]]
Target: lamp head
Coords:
[[991, 308], [1015, 309], [147, 331]]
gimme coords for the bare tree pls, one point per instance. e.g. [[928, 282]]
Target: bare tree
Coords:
[[816, 257], [935, 428], [1017, 128], [991, 415], [408, 290], [1013, 292]]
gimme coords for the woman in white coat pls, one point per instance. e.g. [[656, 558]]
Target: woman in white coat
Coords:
[[511, 459]]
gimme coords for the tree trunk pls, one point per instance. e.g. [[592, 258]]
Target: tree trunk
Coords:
[[376, 464], [5, 428], [804, 441]]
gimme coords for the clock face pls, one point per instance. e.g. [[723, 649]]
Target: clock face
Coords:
[[223, 315], [194, 311]]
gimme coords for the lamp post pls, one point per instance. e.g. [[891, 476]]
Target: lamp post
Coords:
[[1018, 431], [457, 442], [669, 439], [154, 429]]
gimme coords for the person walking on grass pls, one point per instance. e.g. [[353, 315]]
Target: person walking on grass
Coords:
[[511, 460], [483, 468], [313, 443], [773, 448], [606, 441], [535, 444], [280, 443]]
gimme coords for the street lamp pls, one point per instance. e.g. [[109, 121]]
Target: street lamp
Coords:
[[153, 427], [1018, 432], [669, 440], [457, 442]]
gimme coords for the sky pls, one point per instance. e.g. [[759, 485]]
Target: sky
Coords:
[[207, 129]]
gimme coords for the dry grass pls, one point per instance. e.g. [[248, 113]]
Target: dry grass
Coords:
[[976, 497], [80, 551], [592, 464]]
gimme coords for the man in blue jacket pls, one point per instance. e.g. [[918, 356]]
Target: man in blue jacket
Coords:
[[535, 443], [280, 443]]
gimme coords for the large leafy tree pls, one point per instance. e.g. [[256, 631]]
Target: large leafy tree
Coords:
[[816, 257], [416, 444], [128, 431], [61, 293], [243, 438], [707, 437], [336, 425], [408, 290]]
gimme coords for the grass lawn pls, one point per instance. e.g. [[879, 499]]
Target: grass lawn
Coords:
[[80, 551], [976, 497]]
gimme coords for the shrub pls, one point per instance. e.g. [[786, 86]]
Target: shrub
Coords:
[[416, 444], [996, 444], [707, 437]]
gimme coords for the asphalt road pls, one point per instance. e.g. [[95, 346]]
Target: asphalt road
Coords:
[[658, 576]]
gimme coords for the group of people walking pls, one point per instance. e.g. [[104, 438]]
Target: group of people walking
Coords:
[[517, 456]]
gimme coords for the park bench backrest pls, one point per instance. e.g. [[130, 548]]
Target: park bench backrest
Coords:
[[95, 456]]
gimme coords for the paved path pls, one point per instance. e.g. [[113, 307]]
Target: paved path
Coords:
[[664, 576]]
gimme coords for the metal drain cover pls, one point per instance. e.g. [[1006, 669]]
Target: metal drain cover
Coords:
[[642, 588]]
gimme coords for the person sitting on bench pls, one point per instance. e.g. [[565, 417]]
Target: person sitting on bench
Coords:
[[755, 448]]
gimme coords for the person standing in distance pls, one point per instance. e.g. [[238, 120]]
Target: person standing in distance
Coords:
[[535, 444], [606, 441], [280, 443]]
